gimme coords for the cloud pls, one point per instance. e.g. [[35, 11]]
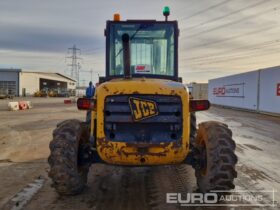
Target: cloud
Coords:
[[45, 39]]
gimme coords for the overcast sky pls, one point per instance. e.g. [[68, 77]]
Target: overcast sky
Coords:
[[217, 37]]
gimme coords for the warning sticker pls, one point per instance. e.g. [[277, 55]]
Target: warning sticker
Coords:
[[142, 69]]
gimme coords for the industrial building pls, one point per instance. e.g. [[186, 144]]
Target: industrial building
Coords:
[[256, 90], [26, 83]]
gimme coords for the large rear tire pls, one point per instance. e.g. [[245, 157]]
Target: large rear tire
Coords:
[[193, 128], [68, 174], [216, 168]]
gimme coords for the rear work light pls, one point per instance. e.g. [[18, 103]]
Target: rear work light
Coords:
[[86, 104], [199, 105]]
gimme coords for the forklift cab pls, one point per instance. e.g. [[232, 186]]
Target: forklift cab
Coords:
[[153, 48]]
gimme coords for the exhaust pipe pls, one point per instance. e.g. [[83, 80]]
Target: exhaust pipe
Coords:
[[126, 55]]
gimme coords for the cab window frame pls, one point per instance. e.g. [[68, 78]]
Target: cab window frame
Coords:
[[176, 35]]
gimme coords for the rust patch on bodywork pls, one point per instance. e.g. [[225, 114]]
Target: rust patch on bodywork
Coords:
[[105, 88], [144, 145], [141, 149], [144, 149], [176, 145], [124, 153], [103, 144], [142, 154]]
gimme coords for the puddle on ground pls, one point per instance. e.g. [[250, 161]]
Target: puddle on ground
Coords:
[[21, 199], [247, 137], [233, 124], [240, 148], [5, 161], [254, 174], [253, 147]]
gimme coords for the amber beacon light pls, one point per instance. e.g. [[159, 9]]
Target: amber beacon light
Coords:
[[117, 17]]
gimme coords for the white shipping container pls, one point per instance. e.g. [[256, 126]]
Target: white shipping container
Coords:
[[269, 95], [238, 90], [200, 90]]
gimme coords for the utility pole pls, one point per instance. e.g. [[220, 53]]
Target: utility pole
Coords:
[[78, 74], [74, 64], [90, 71]]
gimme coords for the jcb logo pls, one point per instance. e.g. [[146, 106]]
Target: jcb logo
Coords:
[[142, 109]]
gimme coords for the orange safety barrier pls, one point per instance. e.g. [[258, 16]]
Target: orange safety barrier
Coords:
[[67, 101], [13, 106], [23, 105]]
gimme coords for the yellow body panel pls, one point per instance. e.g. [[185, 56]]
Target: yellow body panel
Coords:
[[123, 153]]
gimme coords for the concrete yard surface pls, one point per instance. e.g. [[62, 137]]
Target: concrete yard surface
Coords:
[[24, 148]]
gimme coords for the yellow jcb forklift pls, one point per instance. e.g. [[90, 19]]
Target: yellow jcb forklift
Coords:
[[142, 115]]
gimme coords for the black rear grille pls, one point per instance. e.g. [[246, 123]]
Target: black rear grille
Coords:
[[165, 127]]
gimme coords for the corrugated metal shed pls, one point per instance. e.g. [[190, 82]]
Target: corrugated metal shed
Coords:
[[9, 81], [18, 82], [30, 82]]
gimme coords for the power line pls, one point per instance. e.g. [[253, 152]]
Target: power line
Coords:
[[263, 44], [206, 9], [226, 15], [92, 51], [238, 57], [242, 54], [246, 47], [236, 66], [234, 37], [232, 23], [91, 73]]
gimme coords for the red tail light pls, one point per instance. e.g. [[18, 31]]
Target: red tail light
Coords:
[[199, 105], [86, 104]]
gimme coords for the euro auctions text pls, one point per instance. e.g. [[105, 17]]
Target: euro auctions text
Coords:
[[223, 198]]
